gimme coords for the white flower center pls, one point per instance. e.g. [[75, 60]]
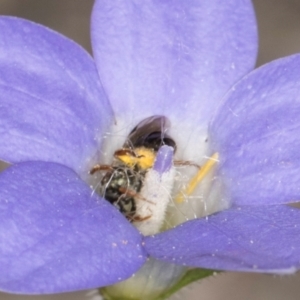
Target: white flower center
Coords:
[[190, 189], [151, 201]]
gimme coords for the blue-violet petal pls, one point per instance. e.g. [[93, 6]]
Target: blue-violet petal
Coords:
[[171, 57], [257, 134], [57, 235], [248, 238], [52, 105]]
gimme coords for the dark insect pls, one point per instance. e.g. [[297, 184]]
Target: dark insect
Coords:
[[120, 186], [123, 180]]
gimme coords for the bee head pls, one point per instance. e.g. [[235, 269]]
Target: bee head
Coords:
[[140, 157]]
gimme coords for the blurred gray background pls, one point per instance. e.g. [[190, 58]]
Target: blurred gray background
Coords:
[[279, 27]]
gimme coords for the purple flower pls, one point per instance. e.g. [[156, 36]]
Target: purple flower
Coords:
[[172, 58]]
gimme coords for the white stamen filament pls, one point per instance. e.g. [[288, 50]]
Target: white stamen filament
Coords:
[[153, 200]]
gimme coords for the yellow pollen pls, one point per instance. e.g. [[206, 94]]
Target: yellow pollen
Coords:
[[195, 181], [144, 158]]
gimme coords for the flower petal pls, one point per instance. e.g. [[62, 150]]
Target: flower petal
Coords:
[[256, 132], [171, 57], [57, 236], [52, 104], [249, 238]]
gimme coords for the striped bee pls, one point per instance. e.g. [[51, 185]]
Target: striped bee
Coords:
[[123, 180]]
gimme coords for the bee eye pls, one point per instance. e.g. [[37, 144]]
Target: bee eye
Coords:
[[150, 133], [157, 139]]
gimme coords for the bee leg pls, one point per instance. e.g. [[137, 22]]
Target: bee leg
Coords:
[[126, 206], [186, 163], [125, 151], [132, 193], [139, 219], [97, 168]]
